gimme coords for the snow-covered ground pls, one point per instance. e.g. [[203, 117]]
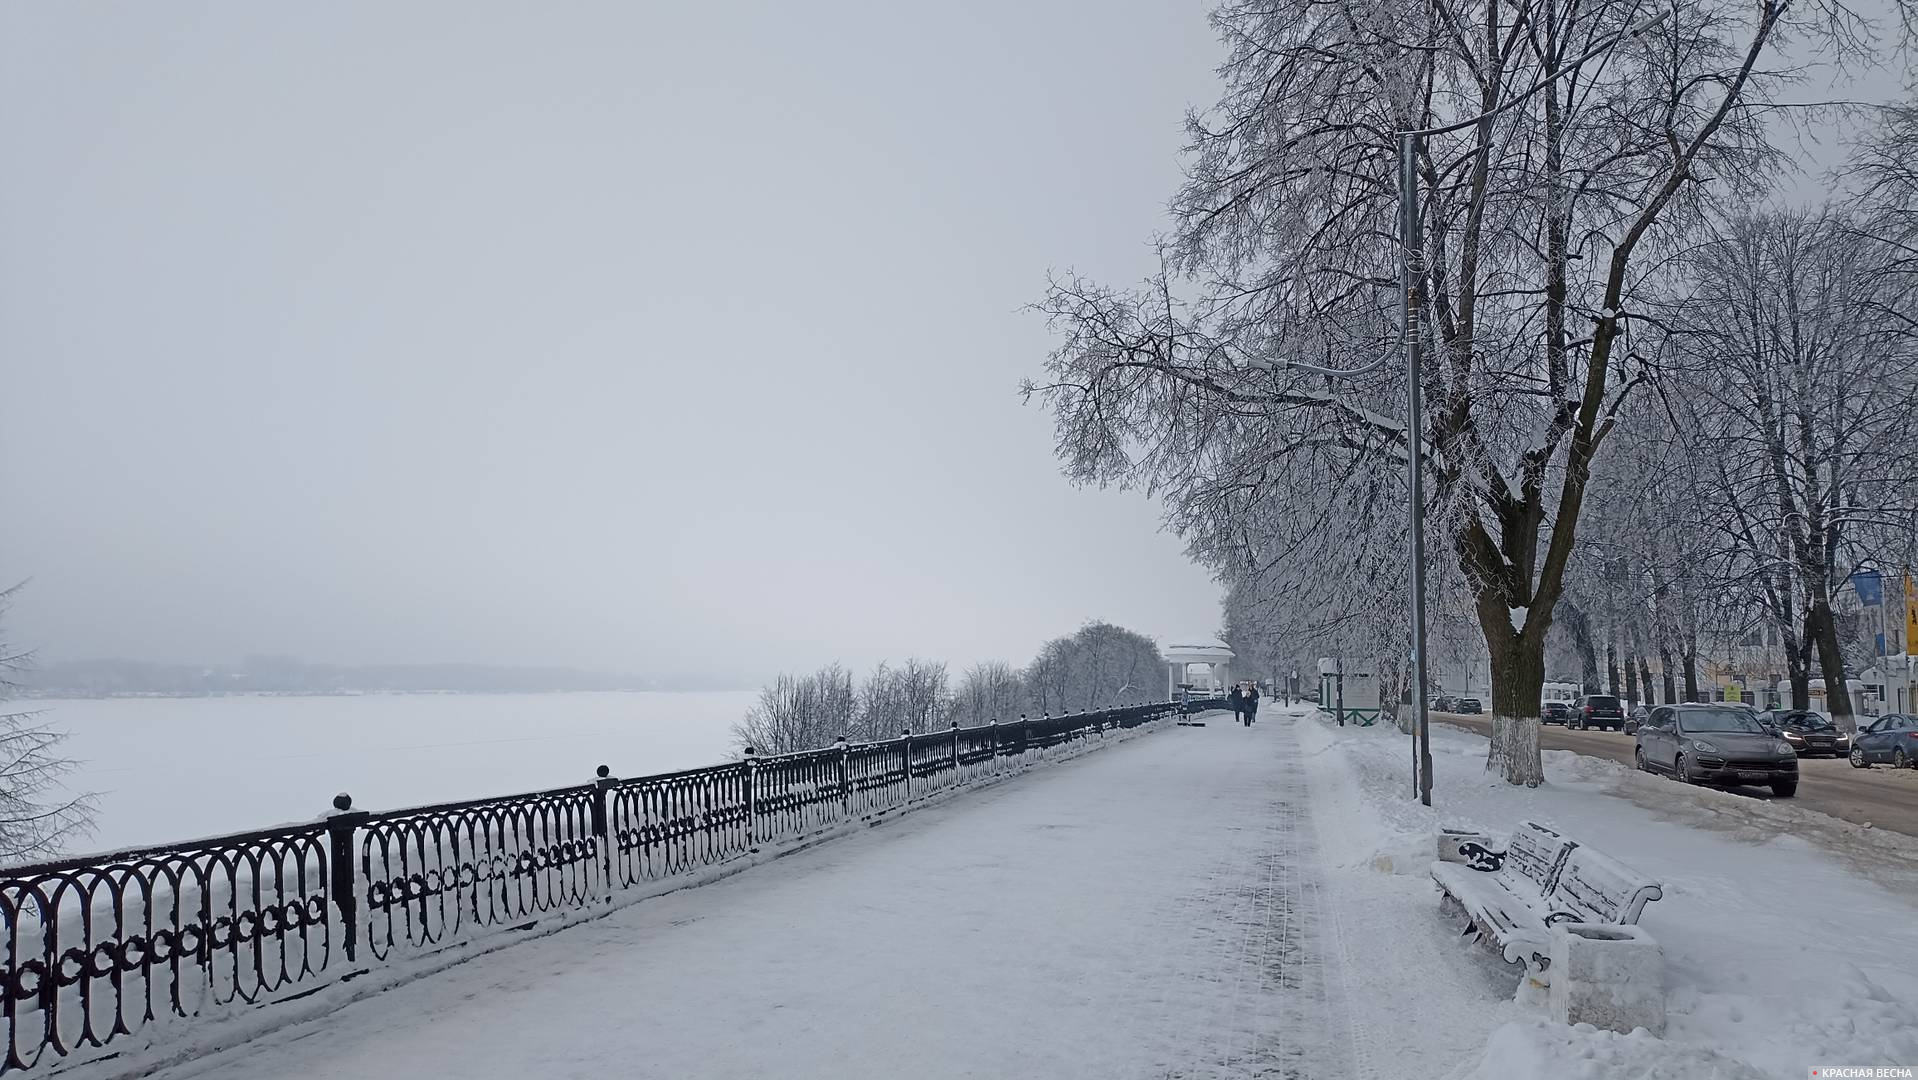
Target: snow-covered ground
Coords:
[[1214, 902], [1148, 910], [1791, 939], [168, 769]]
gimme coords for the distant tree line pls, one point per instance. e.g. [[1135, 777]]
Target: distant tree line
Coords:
[[1099, 666], [266, 674]]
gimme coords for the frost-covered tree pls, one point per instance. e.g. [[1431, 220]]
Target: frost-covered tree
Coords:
[[1795, 386], [1885, 165], [913, 696], [988, 691], [1546, 222], [38, 816], [800, 712], [1099, 666]]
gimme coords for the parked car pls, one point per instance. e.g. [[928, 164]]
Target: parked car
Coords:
[[1598, 711], [1470, 705], [1716, 744], [1555, 712], [1632, 722], [1446, 703], [1809, 733], [1892, 739]]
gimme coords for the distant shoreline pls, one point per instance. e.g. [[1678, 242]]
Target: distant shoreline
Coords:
[[38, 694]]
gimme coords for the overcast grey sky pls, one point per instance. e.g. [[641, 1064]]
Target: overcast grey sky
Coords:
[[624, 335]]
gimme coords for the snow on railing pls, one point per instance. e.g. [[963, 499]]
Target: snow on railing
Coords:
[[99, 947]]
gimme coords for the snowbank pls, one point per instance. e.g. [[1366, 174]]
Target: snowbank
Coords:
[[1790, 936], [1540, 1048]]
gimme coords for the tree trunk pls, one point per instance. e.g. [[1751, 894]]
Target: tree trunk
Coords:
[[1580, 629], [1518, 682], [1611, 668], [1666, 674], [1691, 677], [1800, 690], [1645, 678], [1631, 680], [1831, 663]]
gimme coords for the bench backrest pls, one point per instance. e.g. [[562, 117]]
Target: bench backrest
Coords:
[[1593, 887], [1532, 858]]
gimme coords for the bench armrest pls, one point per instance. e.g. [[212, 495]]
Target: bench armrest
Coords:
[[1476, 850]]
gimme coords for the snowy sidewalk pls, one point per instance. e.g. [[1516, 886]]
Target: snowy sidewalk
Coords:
[[1789, 936], [1150, 910]]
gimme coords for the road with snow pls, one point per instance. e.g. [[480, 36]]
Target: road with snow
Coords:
[[1884, 797], [1149, 910]]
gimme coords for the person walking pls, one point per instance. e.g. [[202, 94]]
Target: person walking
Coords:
[[1235, 698], [1251, 704]]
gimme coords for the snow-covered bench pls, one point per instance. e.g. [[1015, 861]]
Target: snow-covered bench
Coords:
[[1541, 878]]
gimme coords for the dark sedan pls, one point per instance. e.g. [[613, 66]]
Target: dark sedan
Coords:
[[1891, 739], [1808, 732], [1555, 712], [1716, 744], [1470, 705]]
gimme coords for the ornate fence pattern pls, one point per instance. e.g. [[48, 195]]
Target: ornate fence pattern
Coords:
[[99, 947]]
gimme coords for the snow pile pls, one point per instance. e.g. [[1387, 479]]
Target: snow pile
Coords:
[[1788, 934], [1540, 1048]]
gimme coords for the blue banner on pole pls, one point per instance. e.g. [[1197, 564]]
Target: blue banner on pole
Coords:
[[1871, 590]]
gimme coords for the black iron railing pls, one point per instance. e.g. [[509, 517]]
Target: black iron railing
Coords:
[[100, 947]]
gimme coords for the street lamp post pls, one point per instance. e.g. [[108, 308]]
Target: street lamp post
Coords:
[[1411, 278]]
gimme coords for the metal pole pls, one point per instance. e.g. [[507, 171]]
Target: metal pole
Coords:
[[1413, 237], [1340, 676]]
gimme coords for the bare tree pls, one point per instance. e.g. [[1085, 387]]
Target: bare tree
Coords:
[[1543, 220], [1886, 164], [988, 691], [1099, 666], [38, 815], [800, 712]]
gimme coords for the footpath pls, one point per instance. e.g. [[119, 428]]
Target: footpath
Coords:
[[1149, 910]]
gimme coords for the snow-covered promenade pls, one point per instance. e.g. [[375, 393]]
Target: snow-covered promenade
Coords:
[[1148, 910], [1214, 902]]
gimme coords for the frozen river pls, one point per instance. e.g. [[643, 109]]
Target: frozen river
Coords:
[[167, 769]]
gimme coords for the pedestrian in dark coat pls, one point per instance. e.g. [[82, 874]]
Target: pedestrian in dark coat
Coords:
[[1236, 700], [1251, 704]]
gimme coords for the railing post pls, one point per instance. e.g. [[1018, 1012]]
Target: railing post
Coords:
[[603, 781], [1025, 734], [905, 751], [955, 749], [752, 798], [845, 779], [344, 883]]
